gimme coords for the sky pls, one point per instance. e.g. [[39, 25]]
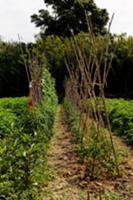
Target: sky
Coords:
[[123, 10], [15, 17]]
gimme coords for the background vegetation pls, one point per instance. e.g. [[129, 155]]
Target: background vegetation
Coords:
[[13, 79]]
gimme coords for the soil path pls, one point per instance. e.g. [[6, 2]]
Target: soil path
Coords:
[[63, 164]]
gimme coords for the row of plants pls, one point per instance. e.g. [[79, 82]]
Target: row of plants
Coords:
[[120, 113], [95, 152], [93, 143], [25, 132], [121, 118]]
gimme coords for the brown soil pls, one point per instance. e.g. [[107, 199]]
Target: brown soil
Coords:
[[63, 162], [67, 175]]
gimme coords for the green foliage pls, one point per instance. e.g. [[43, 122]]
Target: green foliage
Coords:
[[54, 49], [93, 145], [48, 89], [121, 117], [13, 79], [120, 77], [15, 105], [24, 143], [70, 15], [10, 110], [58, 50], [6, 122]]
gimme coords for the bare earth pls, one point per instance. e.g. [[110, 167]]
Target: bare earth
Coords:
[[63, 161]]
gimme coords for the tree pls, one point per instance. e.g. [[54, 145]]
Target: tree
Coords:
[[68, 16]]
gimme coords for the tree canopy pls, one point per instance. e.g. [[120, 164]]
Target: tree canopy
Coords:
[[68, 16]]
